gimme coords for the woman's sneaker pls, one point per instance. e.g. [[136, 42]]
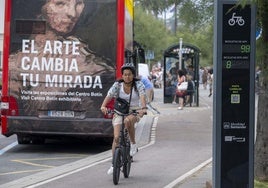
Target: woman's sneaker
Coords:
[[110, 170], [133, 149]]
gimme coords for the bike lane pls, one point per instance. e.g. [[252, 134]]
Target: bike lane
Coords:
[[179, 141]]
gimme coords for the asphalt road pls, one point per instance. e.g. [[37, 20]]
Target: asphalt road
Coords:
[[18, 161]]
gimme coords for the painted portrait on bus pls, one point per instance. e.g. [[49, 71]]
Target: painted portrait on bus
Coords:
[[62, 55]]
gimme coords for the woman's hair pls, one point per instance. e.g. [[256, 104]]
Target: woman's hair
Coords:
[[210, 71], [181, 73]]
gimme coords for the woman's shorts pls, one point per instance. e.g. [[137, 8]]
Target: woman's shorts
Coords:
[[117, 119]]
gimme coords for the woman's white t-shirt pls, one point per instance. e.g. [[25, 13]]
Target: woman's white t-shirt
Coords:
[[134, 98]]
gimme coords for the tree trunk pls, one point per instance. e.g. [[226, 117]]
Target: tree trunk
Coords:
[[175, 18], [261, 145]]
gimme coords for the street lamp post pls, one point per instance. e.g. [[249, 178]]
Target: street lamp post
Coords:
[[180, 54]]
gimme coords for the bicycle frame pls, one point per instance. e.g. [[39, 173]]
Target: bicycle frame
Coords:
[[124, 142], [121, 157]]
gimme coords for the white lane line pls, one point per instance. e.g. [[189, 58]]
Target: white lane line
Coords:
[[2, 151], [21, 172], [153, 134], [67, 174], [188, 174]]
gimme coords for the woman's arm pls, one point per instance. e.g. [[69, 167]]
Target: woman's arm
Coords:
[[143, 101], [106, 100], [113, 92]]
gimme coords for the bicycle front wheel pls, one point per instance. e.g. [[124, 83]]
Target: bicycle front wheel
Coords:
[[117, 161], [127, 162]]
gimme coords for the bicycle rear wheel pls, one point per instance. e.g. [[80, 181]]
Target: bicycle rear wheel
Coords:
[[117, 161], [127, 162]]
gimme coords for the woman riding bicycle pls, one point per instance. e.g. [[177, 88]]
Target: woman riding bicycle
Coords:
[[122, 88]]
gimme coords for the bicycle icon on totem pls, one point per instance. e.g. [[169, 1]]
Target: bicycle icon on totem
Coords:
[[236, 19]]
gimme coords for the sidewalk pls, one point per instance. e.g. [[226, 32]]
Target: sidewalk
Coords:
[[201, 177]]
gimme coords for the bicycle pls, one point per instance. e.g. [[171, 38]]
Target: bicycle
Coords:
[[121, 157]]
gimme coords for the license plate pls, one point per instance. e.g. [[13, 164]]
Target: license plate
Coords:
[[60, 113]]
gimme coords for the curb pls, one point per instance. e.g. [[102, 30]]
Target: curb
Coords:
[[188, 174]]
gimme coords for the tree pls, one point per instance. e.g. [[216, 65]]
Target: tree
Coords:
[[155, 36], [196, 14], [151, 33], [157, 6], [160, 6], [196, 27], [261, 145]]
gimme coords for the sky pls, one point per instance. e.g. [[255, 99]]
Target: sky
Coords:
[[169, 13]]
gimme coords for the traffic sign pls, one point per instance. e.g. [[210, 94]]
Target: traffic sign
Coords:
[[149, 55]]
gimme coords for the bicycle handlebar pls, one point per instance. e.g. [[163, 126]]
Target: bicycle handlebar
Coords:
[[134, 112]]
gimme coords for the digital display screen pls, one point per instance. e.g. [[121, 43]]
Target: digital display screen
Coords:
[[236, 48], [235, 64], [236, 37]]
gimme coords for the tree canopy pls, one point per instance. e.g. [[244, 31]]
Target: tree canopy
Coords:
[[193, 20]]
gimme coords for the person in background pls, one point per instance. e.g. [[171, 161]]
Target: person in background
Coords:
[[190, 72], [181, 94], [149, 88], [205, 78], [174, 81], [201, 70], [157, 75], [210, 81], [190, 90], [154, 72], [123, 88]]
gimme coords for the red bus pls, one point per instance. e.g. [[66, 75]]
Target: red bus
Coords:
[[60, 58]]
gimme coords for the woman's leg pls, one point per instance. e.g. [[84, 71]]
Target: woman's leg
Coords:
[[174, 99], [116, 137], [181, 100], [115, 143], [117, 121], [130, 125], [149, 94]]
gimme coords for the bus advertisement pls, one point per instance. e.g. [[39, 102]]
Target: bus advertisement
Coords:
[[60, 58]]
